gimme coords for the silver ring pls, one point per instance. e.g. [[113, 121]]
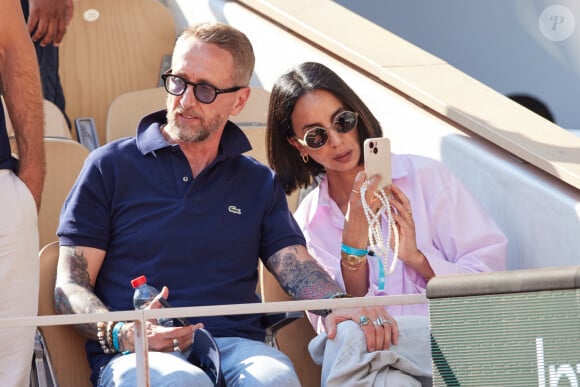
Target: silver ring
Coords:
[[379, 321], [355, 191], [176, 346], [363, 320], [390, 322]]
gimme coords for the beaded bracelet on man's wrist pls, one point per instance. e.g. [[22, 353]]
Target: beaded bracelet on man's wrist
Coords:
[[102, 337]]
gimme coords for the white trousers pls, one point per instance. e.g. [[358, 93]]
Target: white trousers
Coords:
[[19, 277]]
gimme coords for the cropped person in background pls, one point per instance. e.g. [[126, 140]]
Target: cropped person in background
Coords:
[[21, 184], [181, 204], [316, 129], [47, 23]]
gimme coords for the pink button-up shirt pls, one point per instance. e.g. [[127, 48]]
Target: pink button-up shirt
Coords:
[[452, 230]]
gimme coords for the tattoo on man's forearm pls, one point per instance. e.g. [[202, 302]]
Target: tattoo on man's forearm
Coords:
[[77, 287], [78, 269], [302, 280]]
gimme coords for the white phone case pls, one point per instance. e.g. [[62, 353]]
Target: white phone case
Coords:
[[377, 156]]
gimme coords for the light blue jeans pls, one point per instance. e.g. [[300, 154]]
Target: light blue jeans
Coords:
[[243, 362]]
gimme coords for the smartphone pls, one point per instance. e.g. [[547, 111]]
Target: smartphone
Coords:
[[377, 156], [87, 133], [180, 321]]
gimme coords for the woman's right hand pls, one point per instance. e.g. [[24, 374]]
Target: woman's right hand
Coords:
[[355, 231]]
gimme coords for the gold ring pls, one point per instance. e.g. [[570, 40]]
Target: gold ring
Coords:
[[176, 346]]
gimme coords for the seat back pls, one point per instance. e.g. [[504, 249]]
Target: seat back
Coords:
[[64, 160], [129, 108], [255, 113], [55, 124], [66, 346], [103, 53]]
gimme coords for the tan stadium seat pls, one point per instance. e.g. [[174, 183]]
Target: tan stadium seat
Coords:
[[127, 110], [65, 344], [55, 124], [64, 160], [112, 47]]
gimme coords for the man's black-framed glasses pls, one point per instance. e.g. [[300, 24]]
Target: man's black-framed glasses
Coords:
[[203, 92], [316, 137]]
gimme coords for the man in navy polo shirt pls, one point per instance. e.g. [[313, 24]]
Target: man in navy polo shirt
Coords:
[[181, 204], [20, 192]]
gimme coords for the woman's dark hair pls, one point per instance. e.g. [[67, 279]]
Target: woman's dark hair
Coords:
[[303, 79]]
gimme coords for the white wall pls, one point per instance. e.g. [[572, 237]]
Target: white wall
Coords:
[[499, 42]]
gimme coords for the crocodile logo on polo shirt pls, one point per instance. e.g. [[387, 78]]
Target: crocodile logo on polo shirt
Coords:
[[234, 210]]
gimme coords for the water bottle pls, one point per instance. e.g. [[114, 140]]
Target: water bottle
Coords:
[[143, 296]]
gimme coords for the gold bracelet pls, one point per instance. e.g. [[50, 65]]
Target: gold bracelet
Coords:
[[352, 262], [351, 268]]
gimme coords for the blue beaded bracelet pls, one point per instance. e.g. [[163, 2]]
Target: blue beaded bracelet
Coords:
[[115, 335], [353, 251]]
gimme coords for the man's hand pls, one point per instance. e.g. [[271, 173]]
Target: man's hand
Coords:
[[159, 338], [48, 20]]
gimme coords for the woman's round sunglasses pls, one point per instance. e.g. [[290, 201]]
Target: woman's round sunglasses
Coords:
[[316, 137]]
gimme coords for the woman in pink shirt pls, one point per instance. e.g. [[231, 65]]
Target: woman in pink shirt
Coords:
[[316, 128]]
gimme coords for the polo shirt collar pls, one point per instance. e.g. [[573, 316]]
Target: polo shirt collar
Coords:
[[149, 138]]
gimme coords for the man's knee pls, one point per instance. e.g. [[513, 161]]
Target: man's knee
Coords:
[[270, 371]]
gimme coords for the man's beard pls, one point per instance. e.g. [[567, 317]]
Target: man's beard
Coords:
[[191, 133]]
